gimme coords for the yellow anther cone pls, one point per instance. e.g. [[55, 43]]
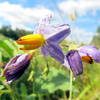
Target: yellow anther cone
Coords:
[[33, 41], [30, 47]]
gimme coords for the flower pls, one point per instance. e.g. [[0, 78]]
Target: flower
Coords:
[[89, 54], [16, 67], [48, 38], [73, 59], [73, 62]]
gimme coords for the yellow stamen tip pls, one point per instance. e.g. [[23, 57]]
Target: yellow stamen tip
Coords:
[[34, 40], [31, 39]]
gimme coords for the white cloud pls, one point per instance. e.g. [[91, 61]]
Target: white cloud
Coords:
[[19, 17], [80, 36], [80, 6]]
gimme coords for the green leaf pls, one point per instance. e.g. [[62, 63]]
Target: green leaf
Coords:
[[5, 47], [0, 56], [2, 78], [1, 87], [55, 80], [23, 90]]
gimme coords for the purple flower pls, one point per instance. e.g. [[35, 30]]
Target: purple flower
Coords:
[[73, 59], [54, 35], [47, 37], [16, 67], [73, 62], [89, 53]]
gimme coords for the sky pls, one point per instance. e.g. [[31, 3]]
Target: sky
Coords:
[[26, 14]]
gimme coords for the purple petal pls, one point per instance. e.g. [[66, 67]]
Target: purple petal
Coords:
[[13, 74], [13, 60], [55, 51], [17, 68], [90, 51], [62, 31], [75, 62], [44, 51], [43, 26], [53, 33]]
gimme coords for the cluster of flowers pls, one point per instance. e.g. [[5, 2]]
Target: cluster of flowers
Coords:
[[47, 37]]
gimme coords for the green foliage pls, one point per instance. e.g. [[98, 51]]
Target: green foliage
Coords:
[[96, 39], [55, 80], [14, 34], [8, 48], [46, 79]]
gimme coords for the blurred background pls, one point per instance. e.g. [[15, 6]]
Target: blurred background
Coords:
[[21, 17]]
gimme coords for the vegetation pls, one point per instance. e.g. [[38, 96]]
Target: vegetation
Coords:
[[38, 83], [14, 34], [96, 39]]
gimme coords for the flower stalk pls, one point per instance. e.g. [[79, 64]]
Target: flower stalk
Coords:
[[71, 86]]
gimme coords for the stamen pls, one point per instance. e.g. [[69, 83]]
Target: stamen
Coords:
[[87, 59], [31, 39], [30, 47], [34, 41]]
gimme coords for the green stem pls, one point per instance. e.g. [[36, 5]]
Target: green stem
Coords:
[[64, 95], [47, 65], [70, 94], [39, 96]]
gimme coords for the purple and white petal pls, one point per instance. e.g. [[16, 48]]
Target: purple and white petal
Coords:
[[13, 60], [45, 21], [44, 51], [55, 33], [17, 68], [74, 60], [66, 64], [52, 33], [43, 26], [60, 33], [90, 51], [55, 51]]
